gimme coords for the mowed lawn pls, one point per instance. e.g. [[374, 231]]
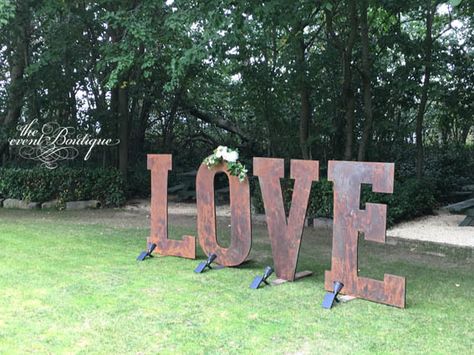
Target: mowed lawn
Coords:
[[67, 286]]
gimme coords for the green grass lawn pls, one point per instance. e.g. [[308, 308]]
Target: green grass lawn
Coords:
[[71, 287]]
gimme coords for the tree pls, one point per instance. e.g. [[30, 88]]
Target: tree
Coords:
[[366, 74], [430, 10], [18, 46]]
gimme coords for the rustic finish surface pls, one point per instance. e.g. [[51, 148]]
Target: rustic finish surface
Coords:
[[241, 233], [160, 164], [349, 220], [285, 235]]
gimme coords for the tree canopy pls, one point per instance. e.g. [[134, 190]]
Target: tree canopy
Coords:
[[354, 80]]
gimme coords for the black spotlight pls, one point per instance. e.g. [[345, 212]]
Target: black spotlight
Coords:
[[207, 264], [330, 297], [257, 281], [147, 253]]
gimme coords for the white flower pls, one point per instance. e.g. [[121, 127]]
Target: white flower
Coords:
[[220, 151], [231, 156]]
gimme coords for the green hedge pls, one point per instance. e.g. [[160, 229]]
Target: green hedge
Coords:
[[450, 168], [320, 204], [63, 184], [411, 198]]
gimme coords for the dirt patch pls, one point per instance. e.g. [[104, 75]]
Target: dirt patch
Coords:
[[175, 208], [185, 209]]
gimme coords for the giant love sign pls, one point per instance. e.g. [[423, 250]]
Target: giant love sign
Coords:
[[285, 233]]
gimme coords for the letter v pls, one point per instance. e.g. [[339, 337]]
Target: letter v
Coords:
[[285, 236]]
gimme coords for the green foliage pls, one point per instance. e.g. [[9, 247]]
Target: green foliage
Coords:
[[450, 167], [320, 201], [238, 64], [411, 198], [63, 184], [7, 11], [139, 182], [455, 2]]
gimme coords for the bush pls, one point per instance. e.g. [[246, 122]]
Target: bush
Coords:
[[320, 200], [411, 198], [450, 168], [139, 182], [63, 184]]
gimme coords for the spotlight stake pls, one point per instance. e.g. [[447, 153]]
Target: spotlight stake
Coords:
[[147, 253], [207, 264], [258, 280], [331, 297]]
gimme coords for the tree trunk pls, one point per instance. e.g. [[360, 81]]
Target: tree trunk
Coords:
[[337, 139], [366, 84], [168, 128], [347, 90], [305, 113], [124, 134], [113, 122], [18, 62], [427, 46], [110, 124], [220, 122], [139, 144], [464, 134], [268, 112]]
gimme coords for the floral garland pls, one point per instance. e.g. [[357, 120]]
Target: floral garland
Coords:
[[230, 156]]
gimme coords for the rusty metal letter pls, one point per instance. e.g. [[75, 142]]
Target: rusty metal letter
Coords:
[[349, 220], [285, 235], [160, 164], [241, 233]]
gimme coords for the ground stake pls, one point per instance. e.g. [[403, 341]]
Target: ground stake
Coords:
[[330, 297], [207, 264], [257, 281], [147, 253]]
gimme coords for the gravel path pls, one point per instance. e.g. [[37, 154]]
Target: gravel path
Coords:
[[440, 228]]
